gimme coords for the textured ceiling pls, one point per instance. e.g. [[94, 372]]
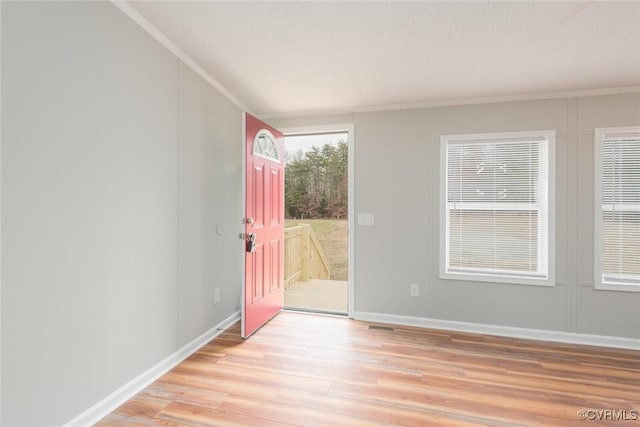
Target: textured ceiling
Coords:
[[295, 57]]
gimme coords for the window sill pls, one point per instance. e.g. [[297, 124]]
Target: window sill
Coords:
[[511, 280], [617, 287]]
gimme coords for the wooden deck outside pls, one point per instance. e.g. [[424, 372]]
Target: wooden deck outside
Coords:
[[309, 370], [304, 258], [328, 296]]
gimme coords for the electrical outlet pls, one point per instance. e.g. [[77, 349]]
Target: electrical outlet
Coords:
[[216, 296], [414, 290]]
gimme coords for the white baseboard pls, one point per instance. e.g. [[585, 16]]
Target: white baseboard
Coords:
[[133, 387], [504, 331]]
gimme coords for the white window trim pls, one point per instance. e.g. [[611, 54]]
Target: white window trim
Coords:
[[599, 133], [479, 276]]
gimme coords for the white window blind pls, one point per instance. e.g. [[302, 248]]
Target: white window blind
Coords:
[[496, 207], [618, 207]]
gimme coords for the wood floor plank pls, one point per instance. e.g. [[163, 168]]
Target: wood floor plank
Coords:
[[307, 370], [194, 415], [143, 406]]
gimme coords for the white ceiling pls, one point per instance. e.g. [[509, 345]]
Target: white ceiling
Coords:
[[295, 57]]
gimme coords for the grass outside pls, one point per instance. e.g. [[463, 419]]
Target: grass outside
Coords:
[[332, 236]]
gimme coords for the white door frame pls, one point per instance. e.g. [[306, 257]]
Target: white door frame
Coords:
[[349, 129]]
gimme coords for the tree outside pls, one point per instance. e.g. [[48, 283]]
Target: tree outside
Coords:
[[316, 183], [316, 193]]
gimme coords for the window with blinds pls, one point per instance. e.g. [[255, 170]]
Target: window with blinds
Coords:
[[496, 208], [617, 214]]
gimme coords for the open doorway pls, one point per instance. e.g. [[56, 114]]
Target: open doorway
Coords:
[[317, 215]]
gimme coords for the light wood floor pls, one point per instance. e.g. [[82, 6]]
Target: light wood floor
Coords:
[[318, 295], [310, 370]]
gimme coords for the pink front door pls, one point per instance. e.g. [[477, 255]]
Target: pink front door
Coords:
[[264, 225]]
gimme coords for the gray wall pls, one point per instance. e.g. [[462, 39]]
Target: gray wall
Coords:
[[210, 207], [118, 164], [397, 179], [121, 197]]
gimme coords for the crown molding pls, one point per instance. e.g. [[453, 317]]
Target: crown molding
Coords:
[[128, 10], [454, 102], [134, 15]]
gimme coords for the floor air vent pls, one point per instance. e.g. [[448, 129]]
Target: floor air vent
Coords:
[[381, 328]]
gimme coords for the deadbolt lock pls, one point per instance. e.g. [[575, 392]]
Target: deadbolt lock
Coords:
[[251, 242]]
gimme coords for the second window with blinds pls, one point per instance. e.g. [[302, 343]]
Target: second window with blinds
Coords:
[[497, 210], [617, 209]]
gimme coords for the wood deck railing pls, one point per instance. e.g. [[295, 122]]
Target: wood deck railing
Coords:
[[303, 256]]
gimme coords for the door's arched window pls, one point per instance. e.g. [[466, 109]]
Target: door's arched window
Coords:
[[264, 145]]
